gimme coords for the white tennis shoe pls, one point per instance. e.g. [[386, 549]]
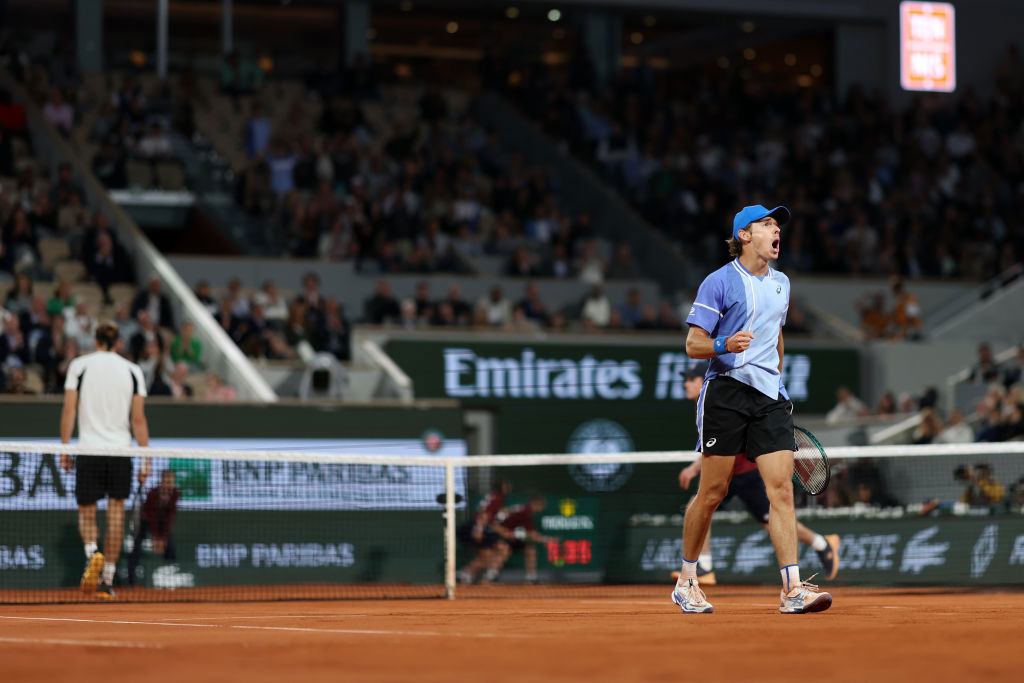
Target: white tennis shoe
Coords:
[[804, 598], [691, 599]]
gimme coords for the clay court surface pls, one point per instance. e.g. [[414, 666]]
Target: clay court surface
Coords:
[[632, 634]]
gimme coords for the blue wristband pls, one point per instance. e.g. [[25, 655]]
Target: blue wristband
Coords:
[[720, 345]]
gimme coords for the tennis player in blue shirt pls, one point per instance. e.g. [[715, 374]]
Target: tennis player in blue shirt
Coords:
[[736, 322]]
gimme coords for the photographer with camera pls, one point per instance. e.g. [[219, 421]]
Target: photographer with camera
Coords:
[[982, 487]]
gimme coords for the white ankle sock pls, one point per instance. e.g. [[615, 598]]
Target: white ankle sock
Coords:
[[689, 572], [790, 577], [108, 573], [90, 548], [704, 560], [819, 543]]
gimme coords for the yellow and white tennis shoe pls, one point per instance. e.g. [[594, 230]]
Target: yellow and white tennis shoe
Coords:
[[691, 599], [804, 598], [91, 575]]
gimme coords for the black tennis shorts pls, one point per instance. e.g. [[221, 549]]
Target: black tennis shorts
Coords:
[[734, 418], [749, 487], [101, 476], [464, 533]]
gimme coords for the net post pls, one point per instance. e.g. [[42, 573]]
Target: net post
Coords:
[[449, 528]]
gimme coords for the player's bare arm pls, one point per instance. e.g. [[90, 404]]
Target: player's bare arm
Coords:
[[140, 427], [67, 425], [699, 343]]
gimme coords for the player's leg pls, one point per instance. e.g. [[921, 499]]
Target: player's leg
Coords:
[[705, 563], [797, 596], [827, 548], [530, 561], [88, 489], [118, 473], [714, 483], [136, 554]]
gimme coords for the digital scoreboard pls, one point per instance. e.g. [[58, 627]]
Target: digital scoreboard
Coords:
[[927, 46]]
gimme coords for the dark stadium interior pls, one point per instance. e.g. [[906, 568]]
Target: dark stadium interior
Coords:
[[370, 255]]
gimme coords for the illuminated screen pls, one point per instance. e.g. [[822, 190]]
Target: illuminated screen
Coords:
[[927, 46]]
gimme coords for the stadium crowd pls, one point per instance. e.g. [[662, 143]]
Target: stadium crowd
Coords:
[[933, 190]]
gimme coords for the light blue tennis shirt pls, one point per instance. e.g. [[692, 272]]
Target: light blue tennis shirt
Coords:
[[731, 299]]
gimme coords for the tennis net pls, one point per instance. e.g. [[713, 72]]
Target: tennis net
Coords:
[[251, 525]]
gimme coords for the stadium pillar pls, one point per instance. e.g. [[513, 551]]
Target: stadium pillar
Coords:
[[226, 28], [161, 39], [89, 34], [601, 33], [357, 23]]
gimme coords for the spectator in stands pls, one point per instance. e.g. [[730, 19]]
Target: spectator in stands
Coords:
[[150, 360], [982, 486], [928, 429], [874, 320], [20, 240], [206, 298], [35, 321], [597, 310], [296, 330], [155, 302], [994, 428], [18, 382], [217, 390], [522, 264], [648, 319], [185, 347], [60, 193], [51, 353], [73, 218], [632, 309], [43, 216], [906, 314], [148, 333], [533, 308], [494, 309], [382, 307], [155, 145], [19, 299], [848, 407], [956, 431], [334, 336], [591, 267], [1013, 373], [282, 162], [886, 404], [173, 385], [668, 320], [108, 264], [462, 312], [985, 370], [257, 132], [59, 113], [14, 351], [239, 302], [275, 308], [558, 265], [109, 165], [424, 306], [81, 326], [623, 265]]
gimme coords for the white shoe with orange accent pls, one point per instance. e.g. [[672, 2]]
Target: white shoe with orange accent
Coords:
[[804, 598], [691, 599]]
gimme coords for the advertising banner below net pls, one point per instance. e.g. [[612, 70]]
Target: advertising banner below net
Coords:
[[34, 481]]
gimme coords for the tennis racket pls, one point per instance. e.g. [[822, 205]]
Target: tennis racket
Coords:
[[136, 521], [810, 463]]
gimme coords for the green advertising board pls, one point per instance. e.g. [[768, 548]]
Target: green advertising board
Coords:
[[42, 550], [547, 396], [944, 551]]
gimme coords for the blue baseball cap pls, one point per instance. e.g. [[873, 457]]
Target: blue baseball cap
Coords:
[[749, 214], [697, 369]]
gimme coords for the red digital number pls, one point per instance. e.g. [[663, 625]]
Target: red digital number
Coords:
[[553, 553]]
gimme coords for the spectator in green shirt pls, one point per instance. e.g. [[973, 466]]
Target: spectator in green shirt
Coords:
[[62, 298], [185, 347]]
